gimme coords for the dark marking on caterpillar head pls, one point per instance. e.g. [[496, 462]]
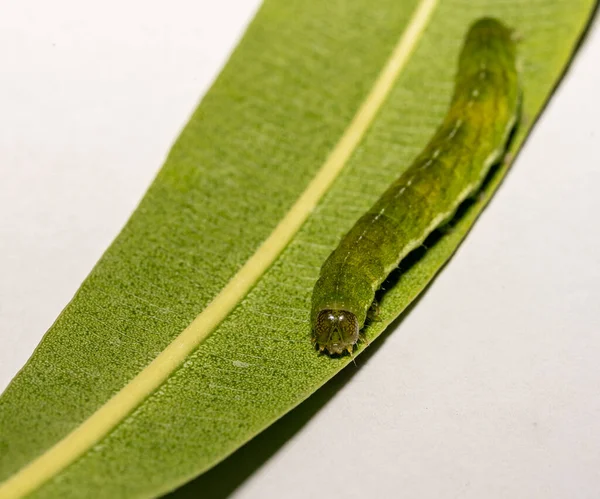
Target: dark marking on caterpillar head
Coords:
[[336, 331]]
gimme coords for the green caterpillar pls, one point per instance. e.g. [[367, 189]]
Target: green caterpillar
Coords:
[[452, 167]]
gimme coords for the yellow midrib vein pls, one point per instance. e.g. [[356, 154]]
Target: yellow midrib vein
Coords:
[[107, 417]]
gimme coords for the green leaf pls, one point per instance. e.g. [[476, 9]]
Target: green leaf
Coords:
[[191, 334]]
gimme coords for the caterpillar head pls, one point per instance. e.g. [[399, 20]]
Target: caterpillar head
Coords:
[[336, 331]]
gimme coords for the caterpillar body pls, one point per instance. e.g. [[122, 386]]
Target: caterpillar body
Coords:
[[472, 137]]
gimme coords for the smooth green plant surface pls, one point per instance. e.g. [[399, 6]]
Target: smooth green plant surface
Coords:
[[268, 124]]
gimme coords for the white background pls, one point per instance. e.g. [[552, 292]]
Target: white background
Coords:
[[491, 385]]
